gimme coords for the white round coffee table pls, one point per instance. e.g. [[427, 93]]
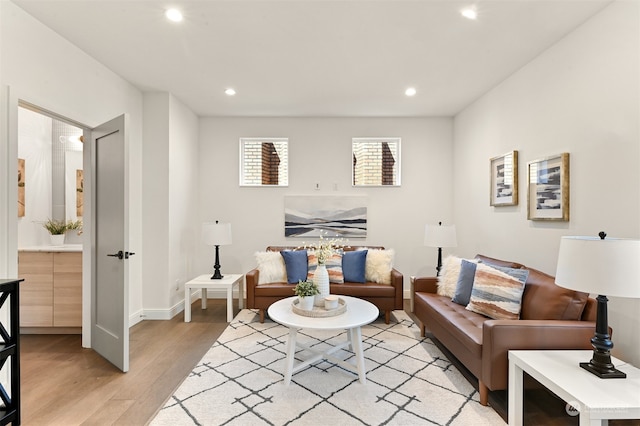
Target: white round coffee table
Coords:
[[359, 312]]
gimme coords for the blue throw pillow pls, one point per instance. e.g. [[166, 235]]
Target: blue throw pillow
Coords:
[[465, 283], [296, 263], [353, 266]]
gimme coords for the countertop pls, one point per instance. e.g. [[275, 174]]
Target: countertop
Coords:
[[49, 248]]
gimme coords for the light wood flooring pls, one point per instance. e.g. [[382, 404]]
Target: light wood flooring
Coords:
[[64, 384]]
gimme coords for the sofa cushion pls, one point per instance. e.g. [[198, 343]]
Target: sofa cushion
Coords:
[[457, 323], [353, 266], [378, 266], [333, 265], [542, 298], [496, 293], [271, 267], [545, 300], [465, 283], [296, 264]]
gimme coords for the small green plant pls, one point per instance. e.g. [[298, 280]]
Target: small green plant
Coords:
[[75, 225], [55, 227], [59, 227], [306, 288]]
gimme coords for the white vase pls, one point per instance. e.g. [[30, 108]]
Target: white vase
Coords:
[[57, 240], [321, 279], [306, 302]]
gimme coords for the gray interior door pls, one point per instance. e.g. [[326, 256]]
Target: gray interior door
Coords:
[[110, 289]]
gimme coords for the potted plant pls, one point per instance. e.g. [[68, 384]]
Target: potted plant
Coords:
[[306, 292], [56, 229], [75, 225]]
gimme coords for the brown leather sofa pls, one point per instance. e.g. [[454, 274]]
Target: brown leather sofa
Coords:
[[551, 317], [386, 297]]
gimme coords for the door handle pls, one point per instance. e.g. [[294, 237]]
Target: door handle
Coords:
[[128, 253], [119, 255]]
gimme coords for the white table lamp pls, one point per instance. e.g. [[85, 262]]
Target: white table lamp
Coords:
[[600, 266], [216, 234], [440, 236]]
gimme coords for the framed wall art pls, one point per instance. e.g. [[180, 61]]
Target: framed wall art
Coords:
[[504, 180], [548, 196], [330, 216]]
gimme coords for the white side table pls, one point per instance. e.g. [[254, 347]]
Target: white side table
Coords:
[[204, 283], [596, 399], [359, 312]]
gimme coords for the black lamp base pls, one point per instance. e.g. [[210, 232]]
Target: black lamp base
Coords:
[[216, 268], [606, 373], [600, 364]]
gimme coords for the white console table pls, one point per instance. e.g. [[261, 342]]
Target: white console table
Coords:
[[597, 400], [204, 283]]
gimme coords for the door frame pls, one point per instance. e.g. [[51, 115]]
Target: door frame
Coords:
[[11, 100]]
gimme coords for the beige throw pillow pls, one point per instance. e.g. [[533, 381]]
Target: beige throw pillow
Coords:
[[271, 266], [378, 266], [448, 279]]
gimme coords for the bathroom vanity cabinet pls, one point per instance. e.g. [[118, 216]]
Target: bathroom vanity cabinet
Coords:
[[51, 294]]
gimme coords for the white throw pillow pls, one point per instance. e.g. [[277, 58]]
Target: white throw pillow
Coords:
[[378, 266], [448, 279], [271, 266]]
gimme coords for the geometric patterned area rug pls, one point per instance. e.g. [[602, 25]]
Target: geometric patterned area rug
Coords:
[[240, 381]]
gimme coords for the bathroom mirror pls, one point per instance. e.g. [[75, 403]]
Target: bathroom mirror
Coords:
[[264, 162], [376, 161], [50, 151]]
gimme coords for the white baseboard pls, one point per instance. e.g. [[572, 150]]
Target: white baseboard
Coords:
[[167, 314]]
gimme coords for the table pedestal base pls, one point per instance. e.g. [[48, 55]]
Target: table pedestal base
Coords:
[[354, 341]]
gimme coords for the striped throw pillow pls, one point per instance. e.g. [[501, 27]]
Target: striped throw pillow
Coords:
[[333, 264], [496, 293]]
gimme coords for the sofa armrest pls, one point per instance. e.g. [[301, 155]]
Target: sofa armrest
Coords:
[[397, 281], [425, 284], [501, 336], [251, 278]]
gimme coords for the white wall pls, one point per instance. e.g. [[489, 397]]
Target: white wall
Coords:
[[77, 87], [169, 202], [580, 96], [320, 152], [184, 231]]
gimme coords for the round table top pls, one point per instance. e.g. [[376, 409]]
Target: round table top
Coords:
[[359, 312]]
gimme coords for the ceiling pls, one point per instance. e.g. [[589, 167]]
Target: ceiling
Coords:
[[315, 57]]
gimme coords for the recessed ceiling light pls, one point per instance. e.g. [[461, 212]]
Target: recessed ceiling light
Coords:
[[469, 13], [411, 91], [230, 92], [173, 15]]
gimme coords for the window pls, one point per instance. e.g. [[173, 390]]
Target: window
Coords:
[[376, 161], [264, 162]]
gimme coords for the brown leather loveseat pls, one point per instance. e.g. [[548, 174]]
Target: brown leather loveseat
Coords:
[[386, 297], [551, 317]]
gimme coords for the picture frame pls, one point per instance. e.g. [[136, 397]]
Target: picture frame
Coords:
[[548, 188], [328, 216], [504, 180]]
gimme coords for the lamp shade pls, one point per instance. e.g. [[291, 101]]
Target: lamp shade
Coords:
[[440, 236], [609, 266], [216, 234]]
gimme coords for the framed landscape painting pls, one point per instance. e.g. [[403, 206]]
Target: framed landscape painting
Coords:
[[330, 216], [548, 196], [504, 180]]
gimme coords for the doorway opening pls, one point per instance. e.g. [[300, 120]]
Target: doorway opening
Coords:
[[50, 191]]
